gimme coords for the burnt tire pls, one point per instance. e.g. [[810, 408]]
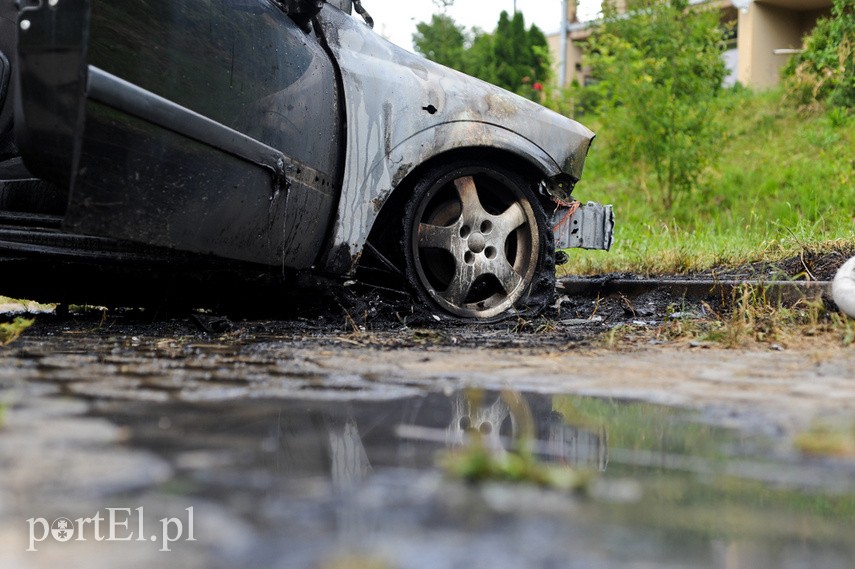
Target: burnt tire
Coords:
[[477, 244]]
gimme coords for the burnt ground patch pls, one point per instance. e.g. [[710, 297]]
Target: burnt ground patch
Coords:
[[321, 311]]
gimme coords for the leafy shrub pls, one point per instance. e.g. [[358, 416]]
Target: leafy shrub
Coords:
[[11, 331], [660, 71], [825, 72]]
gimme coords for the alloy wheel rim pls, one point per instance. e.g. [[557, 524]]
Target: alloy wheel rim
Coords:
[[475, 247]]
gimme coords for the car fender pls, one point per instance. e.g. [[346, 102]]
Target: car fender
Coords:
[[402, 110], [360, 206]]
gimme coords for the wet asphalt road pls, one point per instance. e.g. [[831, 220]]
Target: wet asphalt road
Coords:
[[271, 445]]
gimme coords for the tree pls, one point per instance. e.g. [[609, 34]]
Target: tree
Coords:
[[660, 70], [521, 56], [442, 40], [480, 58], [512, 51], [512, 57], [825, 71], [541, 59]]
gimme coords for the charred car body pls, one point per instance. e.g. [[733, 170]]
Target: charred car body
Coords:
[[266, 139]]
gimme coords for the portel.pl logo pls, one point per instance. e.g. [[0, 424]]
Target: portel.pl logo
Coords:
[[115, 524]]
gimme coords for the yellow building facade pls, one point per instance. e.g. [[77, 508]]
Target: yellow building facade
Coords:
[[768, 32]]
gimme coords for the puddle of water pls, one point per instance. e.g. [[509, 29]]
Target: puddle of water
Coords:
[[319, 478]]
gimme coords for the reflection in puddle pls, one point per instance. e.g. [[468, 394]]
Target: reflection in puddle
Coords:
[[672, 489]]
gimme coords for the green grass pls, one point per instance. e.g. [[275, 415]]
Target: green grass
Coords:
[[11, 331], [783, 182], [827, 440], [25, 305], [751, 319]]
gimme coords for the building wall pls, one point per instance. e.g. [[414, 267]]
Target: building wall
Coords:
[[576, 36], [763, 29], [763, 26], [575, 69]]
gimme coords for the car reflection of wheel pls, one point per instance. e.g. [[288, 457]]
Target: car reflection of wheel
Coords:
[[476, 241]]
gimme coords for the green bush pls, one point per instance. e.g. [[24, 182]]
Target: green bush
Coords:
[[660, 71], [825, 72]]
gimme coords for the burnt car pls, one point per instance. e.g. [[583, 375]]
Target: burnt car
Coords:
[[270, 139]]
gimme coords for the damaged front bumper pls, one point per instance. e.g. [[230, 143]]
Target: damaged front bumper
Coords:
[[588, 226]]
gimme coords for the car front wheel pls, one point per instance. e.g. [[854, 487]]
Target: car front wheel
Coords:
[[476, 242]]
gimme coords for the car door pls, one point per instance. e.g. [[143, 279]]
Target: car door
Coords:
[[202, 125], [7, 53]]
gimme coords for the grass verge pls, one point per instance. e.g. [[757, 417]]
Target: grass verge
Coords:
[[826, 440], [750, 320], [11, 331], [782, 182]]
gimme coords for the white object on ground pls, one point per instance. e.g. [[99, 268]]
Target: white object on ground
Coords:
[[843, 288]]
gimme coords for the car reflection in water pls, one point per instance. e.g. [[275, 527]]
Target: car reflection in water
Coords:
[[331, 471], [346, 441]]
